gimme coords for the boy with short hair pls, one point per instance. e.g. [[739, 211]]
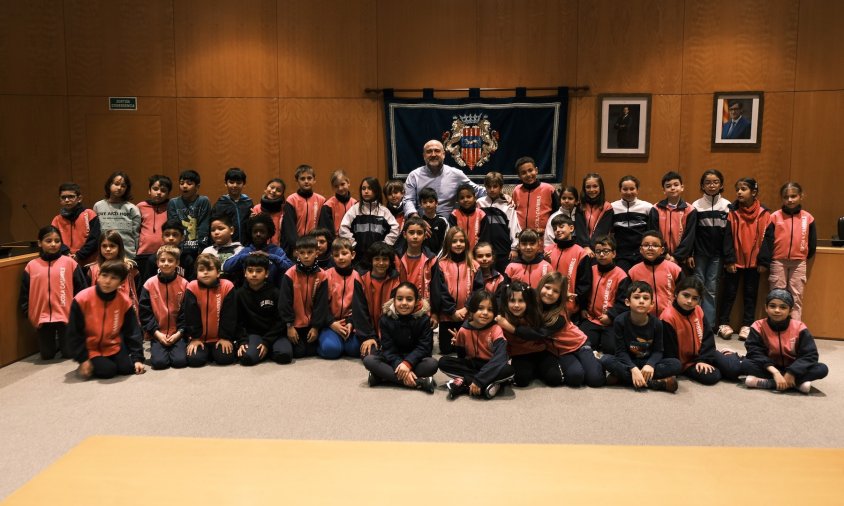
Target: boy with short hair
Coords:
[[572, 261], [339, 338], [336, 207], [503, 223], [609, 289], [153, 215], [437, 224], [417, 262], [106, 347], [257, 313], [259, 228], [394, 192], [235, 203], [468, 217], [272, 203], [662, 276], [675, 219], [303, 299], [172, 234], [534, 200], [78, 226], [194, 211], [530, 265], [371, 292], [160, 311], [223, 247], [638, 360], [301, 211], [210, 315], [323, 238]]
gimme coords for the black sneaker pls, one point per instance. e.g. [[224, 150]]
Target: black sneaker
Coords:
[[492, 390], [427, 384], [455, 390], [373, 380]]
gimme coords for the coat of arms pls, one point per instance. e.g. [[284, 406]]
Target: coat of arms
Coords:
[[471, 140]]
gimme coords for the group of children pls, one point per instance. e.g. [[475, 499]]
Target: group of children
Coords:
[[540, 285]]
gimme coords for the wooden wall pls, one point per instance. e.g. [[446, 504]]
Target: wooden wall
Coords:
[[269, 84]]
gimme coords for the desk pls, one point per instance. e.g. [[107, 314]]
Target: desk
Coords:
[[17, 337], [823, 302]]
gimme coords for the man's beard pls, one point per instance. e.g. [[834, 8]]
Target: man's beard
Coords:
[[434, 165]]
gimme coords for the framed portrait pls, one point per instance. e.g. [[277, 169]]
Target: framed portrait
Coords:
[[737, 119], [624, 123]]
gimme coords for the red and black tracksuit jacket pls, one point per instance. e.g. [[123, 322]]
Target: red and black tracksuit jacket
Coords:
[[687, 336], [80, 231], [160, 304], [677, 226], [790, 235], [48, 286], [786, 345], [103, 323], [210, 311], [528, 271], [571, 260], [303, 297], [662, 276], [534, 205], [332, 212], [300, 216], [609, 290], [371, 294], [486, 347], [452, 284], [419, 271]]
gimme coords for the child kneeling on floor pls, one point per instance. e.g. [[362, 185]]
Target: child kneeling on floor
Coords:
[[482, 364], [103, 327], [407, 342], [781, 353]]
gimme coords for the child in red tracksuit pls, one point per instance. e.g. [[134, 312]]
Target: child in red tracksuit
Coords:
[[103, 327], [675, 219], [373, 290], [534, 200], [160, 311], [596, 212], [336, 207], [656, 271], [481, 365], [748, 220], [417, 263], [110, 247], [210, 315], [301, 211], [272, 203], [153, 216], [781, 352], [486, 277], [48, 284], [79, 227], [303, 299], [452, 285], [529, 356], [468, 216], [572, 261], [790, 240], [530, 265], [688, 337], [339, 337], [609, 289]]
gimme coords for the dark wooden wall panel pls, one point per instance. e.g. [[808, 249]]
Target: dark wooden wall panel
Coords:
[[218, 133], [770, 165], [428, 44], [32, 53], [629, 47], [120, 47], [525, 43], [746, 45], [140, 142], [817, 155], [226, 49], [820, 49], [317, 61], [329, 134], [34, 160]]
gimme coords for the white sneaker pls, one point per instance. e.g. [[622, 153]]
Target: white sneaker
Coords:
[[743, 333], [492, 390], [725, 332], [805, 387]]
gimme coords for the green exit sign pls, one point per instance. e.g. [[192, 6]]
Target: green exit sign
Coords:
[[122, 103]]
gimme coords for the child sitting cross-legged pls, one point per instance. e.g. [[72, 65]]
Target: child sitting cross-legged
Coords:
[[257, 311]]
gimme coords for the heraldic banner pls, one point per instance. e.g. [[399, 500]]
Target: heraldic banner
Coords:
[[480, 135]]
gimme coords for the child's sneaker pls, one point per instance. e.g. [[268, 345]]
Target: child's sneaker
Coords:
[[668, 384], [373, 380], [492, 390], [612, 380], [805, 387], [725, 332], [427, 384], [754, 382], [456, 388], [743, 333]]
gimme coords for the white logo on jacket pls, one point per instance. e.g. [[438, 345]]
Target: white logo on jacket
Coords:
[[62, 287]]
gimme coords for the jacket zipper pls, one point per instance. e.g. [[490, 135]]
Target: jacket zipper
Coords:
[[102, 327], [205, 326], [791, 237], [167, 303], [50, 290]]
